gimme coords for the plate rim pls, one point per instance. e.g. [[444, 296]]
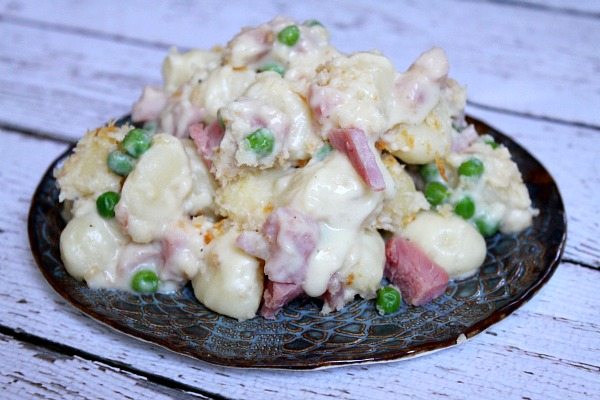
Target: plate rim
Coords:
[[393, 355]]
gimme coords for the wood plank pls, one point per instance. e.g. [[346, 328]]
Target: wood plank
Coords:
[[28, 371], [561, 363], [584, 8], [546, 67], [63, 84]]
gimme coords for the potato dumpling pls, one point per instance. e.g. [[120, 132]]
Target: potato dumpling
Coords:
[[202, 195], [178, 68], [89, 247], [451, 242], [302, 139], [363, 268], [232, 281], [221, 86], [154, 193]]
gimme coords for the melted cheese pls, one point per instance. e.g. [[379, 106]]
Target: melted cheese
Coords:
[[180, 213], [331, 192]]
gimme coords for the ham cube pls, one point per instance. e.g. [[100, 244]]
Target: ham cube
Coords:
[[277, 295], [292, 237], [419, 279], [207, 139], [354, 143]]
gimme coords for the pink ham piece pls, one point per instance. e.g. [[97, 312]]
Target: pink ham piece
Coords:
[[150, 104], [420, 280], [335, 297], [354, 143], [288, 239], [292, 237], [207, 139], [277, 295]]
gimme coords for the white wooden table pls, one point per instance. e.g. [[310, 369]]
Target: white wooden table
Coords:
[[533, 71]]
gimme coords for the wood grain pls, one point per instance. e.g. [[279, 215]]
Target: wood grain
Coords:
[[32, 372], [567, 348], [516, 58], [66, 66]]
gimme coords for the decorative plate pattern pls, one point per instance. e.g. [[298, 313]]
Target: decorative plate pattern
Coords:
[[300, 338]]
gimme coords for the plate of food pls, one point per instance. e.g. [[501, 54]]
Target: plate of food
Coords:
[[279, 204]]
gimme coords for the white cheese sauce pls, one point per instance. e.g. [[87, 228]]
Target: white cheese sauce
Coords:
[[184, 205]]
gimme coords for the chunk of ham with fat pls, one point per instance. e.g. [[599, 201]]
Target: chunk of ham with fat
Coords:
[[277, 295], [335, 296], [207, 139], [354, 143], [292, 237], [287, 241], [420, 280]]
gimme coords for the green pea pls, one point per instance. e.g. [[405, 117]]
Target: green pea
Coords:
[[323, 151], [465, 207], [220, 120], [272, 67], [472, 167], [486, 227], [261, 141], [492, 143], [312, 22], [120, 163], [436, 193], [430, 172], [106, 202], [388, 300], [136, 142], [145, 281], [289, 35]]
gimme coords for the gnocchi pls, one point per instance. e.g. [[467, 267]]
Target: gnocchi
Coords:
[[276, 167]]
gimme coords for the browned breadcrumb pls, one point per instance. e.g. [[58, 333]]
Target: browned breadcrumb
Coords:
[[350, 279], [268, 208], [381, 145], [302, 163], [439, 163]]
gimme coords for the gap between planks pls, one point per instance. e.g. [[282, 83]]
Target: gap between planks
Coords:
[[55, 26], [24, 337], [543, 7], [542, 118], [40, 342], [75, 30], [29, 371]]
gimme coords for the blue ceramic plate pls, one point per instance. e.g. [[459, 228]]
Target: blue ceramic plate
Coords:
[[300, 338]]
